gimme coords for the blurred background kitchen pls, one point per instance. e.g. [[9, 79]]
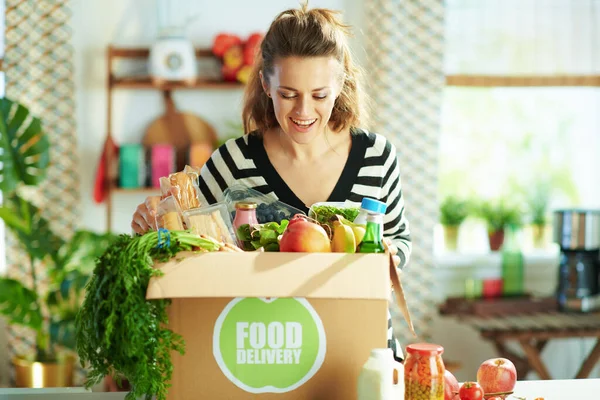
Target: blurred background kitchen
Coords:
[[493, 105]]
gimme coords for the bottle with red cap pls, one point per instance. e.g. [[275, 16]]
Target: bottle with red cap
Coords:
[[424, 372]]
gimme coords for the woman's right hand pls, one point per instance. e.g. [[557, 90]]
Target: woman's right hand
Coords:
[[144, 217]]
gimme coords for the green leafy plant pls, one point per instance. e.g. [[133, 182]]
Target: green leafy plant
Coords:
[[538, 203], [234, 128], [453, 211], [499, 214], [253, 237], [119, 332], [24, 159]]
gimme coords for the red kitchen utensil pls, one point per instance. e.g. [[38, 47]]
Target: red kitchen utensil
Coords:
[[102, 175]]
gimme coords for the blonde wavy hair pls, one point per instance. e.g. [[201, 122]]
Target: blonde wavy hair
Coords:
[[317, 32]]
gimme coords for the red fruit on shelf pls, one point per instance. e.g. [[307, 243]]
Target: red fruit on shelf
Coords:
[[224, 41], [252, 47]]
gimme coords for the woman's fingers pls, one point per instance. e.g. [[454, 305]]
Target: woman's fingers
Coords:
[[392, 248], [144, 217]]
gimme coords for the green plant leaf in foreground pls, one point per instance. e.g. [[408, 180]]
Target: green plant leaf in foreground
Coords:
[[118, 331], [19, 303], [24, 146]]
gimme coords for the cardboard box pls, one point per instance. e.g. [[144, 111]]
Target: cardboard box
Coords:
[[275, 325]]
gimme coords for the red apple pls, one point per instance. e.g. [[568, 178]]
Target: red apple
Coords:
[[243, 74], [497, 375], [228, 73], [302, 235], [234, 57], [251, 47], [450, 386], [224, 41]]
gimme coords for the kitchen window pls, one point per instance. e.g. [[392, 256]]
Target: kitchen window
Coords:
[[521, 106]]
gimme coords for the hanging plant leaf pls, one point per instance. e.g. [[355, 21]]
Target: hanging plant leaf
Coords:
[[24, 147]]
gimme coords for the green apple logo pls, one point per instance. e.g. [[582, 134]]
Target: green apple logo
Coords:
[[269, 345]]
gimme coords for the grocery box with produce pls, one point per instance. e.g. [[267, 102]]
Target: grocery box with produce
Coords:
[[216, 304]]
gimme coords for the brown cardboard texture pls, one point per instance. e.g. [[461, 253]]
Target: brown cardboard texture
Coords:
[[275, 325]]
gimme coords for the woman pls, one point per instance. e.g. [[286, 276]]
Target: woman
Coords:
[[303, 142]]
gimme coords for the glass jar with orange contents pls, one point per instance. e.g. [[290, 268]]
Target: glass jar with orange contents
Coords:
[[424, 372]]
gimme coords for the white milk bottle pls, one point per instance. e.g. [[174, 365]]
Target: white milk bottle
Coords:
[[381, 378]]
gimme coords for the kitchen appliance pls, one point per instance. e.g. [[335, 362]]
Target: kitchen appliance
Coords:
[[577, 232], [172, 56]]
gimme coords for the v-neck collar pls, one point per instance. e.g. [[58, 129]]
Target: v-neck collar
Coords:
[[342, 188]]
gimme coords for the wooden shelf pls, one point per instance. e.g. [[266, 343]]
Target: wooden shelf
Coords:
[[141, 82], [144, 52], [147, 191], [144, 82]]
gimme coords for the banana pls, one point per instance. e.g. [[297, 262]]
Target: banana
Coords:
[[343, 240], [357, 229]]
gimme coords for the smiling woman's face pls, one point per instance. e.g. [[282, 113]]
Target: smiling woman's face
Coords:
[[304, 92]]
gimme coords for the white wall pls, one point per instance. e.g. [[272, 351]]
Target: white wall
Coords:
[[133, 23]]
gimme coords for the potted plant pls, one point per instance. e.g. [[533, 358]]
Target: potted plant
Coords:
[[497, 216], [538, 209], [453, 212], [68, 263]]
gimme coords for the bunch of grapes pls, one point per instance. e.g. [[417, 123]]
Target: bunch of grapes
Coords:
[[270, 213]]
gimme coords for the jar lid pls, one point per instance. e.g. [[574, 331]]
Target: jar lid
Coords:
[[425, 349], [245, 205]]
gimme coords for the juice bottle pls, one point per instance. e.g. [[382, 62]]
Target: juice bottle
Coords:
[[372, 241], [512, 264], [245, 213]]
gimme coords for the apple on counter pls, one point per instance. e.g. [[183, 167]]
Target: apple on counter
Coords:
[[496, 379], [451, 386], [497, 375]]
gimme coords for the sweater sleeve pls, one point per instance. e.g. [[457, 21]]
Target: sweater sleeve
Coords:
[[395, 223]]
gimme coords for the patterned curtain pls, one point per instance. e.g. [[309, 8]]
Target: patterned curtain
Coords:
[[39, 73], [405, 82]]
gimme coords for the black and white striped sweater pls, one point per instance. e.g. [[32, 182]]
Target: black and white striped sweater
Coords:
[[371, 171]]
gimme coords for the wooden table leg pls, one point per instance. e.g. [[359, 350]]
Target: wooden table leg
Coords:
[[540, 345], [590, 362], [535, 361]]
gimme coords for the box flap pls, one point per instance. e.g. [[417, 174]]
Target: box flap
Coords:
[[256, 274], [400, 298]]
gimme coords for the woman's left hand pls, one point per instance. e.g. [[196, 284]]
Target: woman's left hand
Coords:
[[393, 251]]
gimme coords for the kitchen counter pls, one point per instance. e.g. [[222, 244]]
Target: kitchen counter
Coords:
[[567, 389], [571, 389]]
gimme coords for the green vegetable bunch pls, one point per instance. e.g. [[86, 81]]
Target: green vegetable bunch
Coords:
[[119, 332], [325, 214], [253, 237]]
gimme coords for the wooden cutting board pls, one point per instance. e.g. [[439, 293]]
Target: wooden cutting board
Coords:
[[180, 129]]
